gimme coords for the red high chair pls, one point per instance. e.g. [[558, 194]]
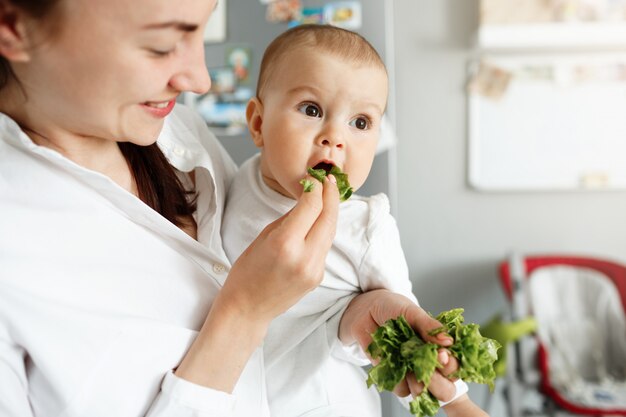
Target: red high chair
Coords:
[[528, 366]]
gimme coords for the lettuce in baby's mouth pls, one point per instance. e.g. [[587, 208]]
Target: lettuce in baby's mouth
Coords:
[[345, 191]]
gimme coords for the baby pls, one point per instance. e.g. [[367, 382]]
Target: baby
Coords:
[[320, 99]]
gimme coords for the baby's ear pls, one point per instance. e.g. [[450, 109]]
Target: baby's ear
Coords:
[[254, 116], [13, 41]]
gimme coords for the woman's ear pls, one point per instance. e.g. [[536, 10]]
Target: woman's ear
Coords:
[[254, 116], [13, 45]]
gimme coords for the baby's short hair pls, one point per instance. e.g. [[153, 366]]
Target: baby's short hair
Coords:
[[343, 43]]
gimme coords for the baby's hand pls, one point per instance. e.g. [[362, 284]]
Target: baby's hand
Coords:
[[441, 385]]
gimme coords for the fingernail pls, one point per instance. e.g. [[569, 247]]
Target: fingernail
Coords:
[[332, 179], [444, 336], [443, 357]]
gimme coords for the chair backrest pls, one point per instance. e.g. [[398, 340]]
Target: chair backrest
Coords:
[[614, 271], [580, 321]]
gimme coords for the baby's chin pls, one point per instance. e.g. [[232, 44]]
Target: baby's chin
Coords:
[[273, 184]]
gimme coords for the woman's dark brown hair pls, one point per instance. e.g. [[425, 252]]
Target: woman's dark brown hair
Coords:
[[157, 183]]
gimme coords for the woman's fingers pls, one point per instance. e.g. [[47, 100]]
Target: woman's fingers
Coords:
[[287, 259], [299, 221], [322, 232]]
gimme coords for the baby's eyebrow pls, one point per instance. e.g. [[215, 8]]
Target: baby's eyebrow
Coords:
[[301, 89], [372, 106]]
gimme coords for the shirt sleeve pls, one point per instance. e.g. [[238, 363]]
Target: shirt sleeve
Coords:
[[177, 398], [181, 398], [14, 397], [350, 353], [383, 264]]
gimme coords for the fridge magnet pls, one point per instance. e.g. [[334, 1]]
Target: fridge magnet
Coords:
[[227, 115], [490, 81], [239, 59], [280, 11], [224, 106], [215, 30], [309, 16], [344, 14], [223, 80], [312, 15]]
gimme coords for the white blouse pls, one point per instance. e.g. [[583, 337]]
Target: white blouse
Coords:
[[100, 296]]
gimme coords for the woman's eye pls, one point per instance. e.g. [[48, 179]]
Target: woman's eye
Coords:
[[360, 123], [162, 53], [310, 110]]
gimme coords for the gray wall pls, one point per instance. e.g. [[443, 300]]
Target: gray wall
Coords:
[[453, 236]]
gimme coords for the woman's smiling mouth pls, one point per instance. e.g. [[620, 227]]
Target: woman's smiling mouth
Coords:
[[159, 109]]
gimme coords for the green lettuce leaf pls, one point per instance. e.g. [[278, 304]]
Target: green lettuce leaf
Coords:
[[318, 174], [345, 190], [424, 404], [401, 350], [307, 185]]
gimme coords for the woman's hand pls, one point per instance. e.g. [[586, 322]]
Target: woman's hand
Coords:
[[371, 309], [287, 259], [285, 262]]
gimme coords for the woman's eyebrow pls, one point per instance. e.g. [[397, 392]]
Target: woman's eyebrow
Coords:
[[174, 24]]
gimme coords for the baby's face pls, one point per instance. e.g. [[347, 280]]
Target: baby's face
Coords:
[[317, 111]]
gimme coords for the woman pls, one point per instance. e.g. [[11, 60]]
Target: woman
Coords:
[[113, 292]]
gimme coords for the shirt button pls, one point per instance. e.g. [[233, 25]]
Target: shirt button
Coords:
[[219, 268]]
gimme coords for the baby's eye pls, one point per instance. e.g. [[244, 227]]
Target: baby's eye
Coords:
[[310, 109], [360, 123]]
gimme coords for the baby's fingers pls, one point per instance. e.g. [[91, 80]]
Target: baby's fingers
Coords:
[[423, 323], [402, 389], [415, 387], [449, 362], [441, 387]]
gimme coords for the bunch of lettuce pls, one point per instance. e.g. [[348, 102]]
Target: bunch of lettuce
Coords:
[[345, 190], [401, 350]]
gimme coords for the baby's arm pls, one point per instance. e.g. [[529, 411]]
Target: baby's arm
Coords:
[[463, 407]]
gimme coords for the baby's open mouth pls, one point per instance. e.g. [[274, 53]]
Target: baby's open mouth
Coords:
[[325, 166], [320, 171]]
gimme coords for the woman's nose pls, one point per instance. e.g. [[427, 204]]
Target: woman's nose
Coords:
[[193, 74]]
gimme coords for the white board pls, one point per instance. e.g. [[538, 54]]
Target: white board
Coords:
[[215, 30], [565, 132]]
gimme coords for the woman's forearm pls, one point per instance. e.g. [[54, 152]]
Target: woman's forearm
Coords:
[[219, 354]]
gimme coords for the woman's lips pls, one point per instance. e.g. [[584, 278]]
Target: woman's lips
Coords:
[[159, 108]]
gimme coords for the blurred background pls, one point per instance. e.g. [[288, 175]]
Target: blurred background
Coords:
[[506, 131]]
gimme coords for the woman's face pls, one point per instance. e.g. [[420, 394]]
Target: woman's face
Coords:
[[114, 67]]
